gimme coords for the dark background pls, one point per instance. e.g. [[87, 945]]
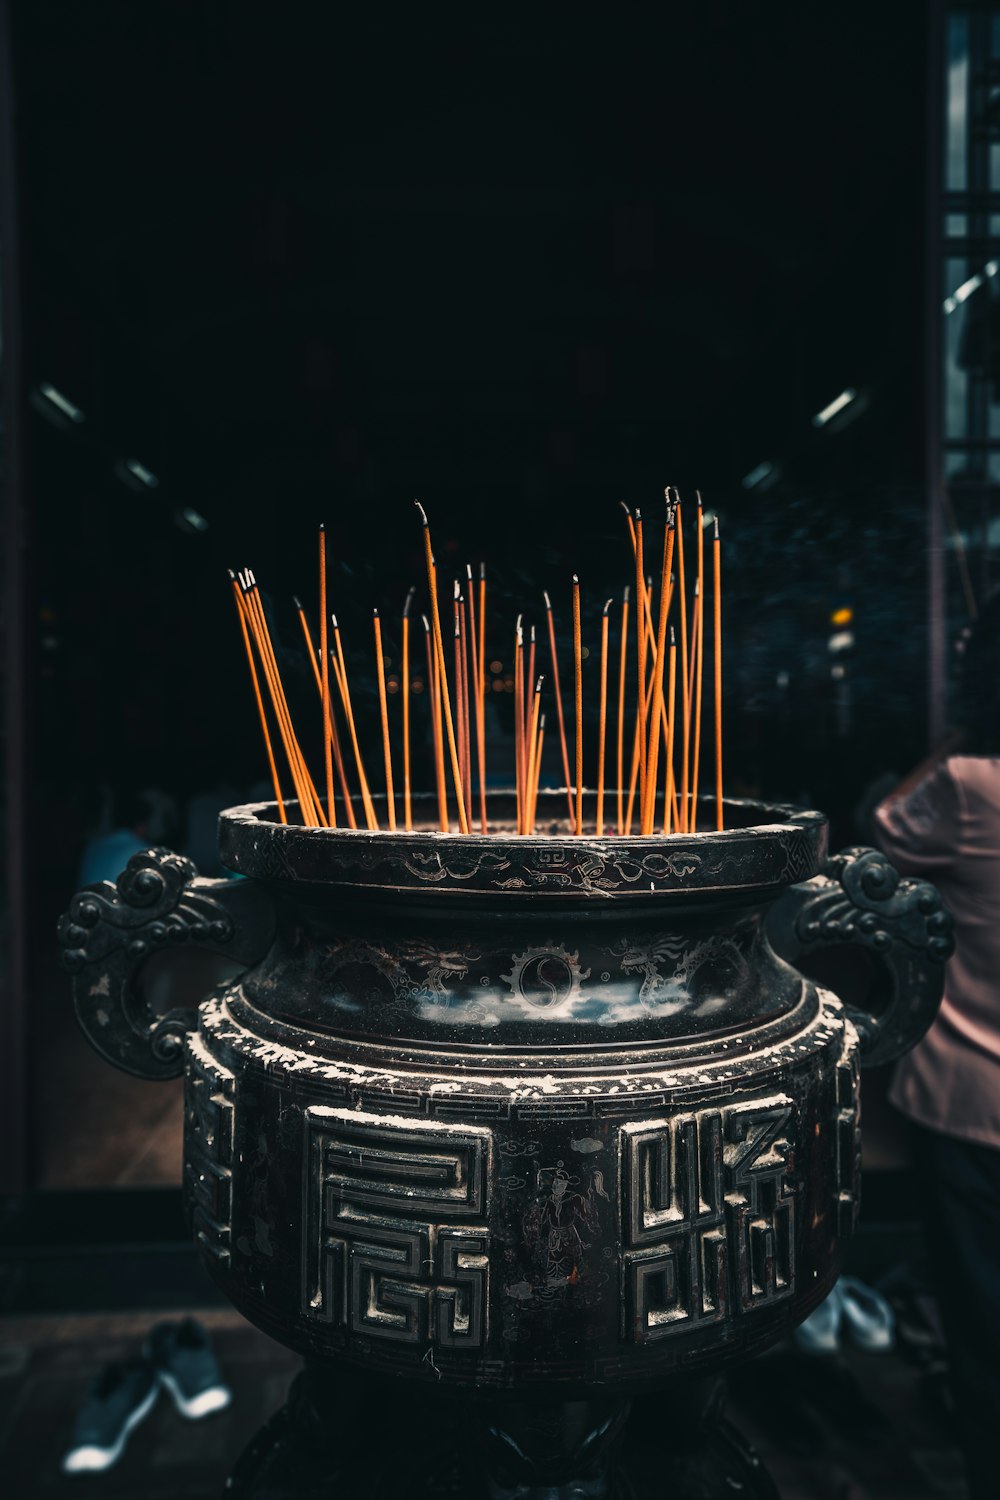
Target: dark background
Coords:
[[304, 266]]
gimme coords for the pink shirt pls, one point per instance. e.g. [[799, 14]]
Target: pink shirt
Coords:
[[948, 831]]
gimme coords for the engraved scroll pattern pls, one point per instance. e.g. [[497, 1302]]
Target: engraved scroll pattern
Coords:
[[707, 1216], [396, 1235]]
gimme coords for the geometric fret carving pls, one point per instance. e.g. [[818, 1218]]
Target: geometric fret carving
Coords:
[[208, 1148], [707, 1216], [396, 1243]]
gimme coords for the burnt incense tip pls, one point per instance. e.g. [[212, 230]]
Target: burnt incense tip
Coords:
[[607, 605], [468, 571], [627, 595], [638, 516], [697, 587], [624, 507], [576, 581], [375, 612], [716, 528], [322, 526], [333, 622], [423, 513], [541, 721], [232, 575], [408, 601], [297, 602], [532, 637], [672, 641], [697, 494], [538, 684], [427, 624], [548, 601], [482, 570], [458, 591]]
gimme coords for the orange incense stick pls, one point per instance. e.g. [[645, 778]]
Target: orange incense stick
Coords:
[[578, 681], [481, 706], [530, 678], [390, 797], [717, 601], [640, 588], [621, 710], [241, 614], [685, 701], [467, 689], [442, 670], [695, 690], [331, 810], [532, 753], [559, 704], [309, 805], [519, 718], [476, 645], [345, 693], [436, 728], [459, 693], [332, 722], [670, 809], [538, 772], [602, 719], [407, 805], [653, 750]]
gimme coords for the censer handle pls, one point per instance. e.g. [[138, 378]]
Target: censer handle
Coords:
[[158, 901], [859, 899]]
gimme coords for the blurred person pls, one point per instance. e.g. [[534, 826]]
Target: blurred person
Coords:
[[130, 821], [943, 823]]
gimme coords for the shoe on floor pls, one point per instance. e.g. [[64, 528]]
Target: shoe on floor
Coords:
[[187, 1367], [119, 1399], [820, 1333], [868, 1317]]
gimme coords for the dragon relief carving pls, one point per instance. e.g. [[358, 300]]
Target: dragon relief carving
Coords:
[[670, 964], [408, 972]]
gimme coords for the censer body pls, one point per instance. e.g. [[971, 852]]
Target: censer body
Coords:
[[492, 1113]]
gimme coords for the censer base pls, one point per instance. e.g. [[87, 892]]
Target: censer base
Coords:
[[338, 1437]]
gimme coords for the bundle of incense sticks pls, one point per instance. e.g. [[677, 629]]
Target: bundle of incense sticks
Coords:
[[658, 748]]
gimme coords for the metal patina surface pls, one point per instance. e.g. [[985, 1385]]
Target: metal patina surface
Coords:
[[540, 1117]]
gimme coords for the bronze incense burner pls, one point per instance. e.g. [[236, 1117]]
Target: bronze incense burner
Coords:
[[537, 1123]]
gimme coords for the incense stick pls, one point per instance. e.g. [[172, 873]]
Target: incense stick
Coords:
[[331, 809], [241, 615], [653, 749], [602, 718], [345, 694], [717, 601], [442, 670], [538, 772], [621, 710], [519, 758], [481, 707], [697, 666], [532, 752], [559, 705], [309, 805], [578, 678], [407, 806], [685, 702], [640, 587], [338, 757], [390, 797], [670, 810], [436, 728]]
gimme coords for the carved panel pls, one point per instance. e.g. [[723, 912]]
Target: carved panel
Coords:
[[208, 1148], [707, 1211], [397, 1245], [848, 1139]]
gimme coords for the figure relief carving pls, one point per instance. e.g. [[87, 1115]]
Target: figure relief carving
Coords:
[[707, 1206], [396, 1236]]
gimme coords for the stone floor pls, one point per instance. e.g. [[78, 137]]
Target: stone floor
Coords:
[[857, 1427]]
